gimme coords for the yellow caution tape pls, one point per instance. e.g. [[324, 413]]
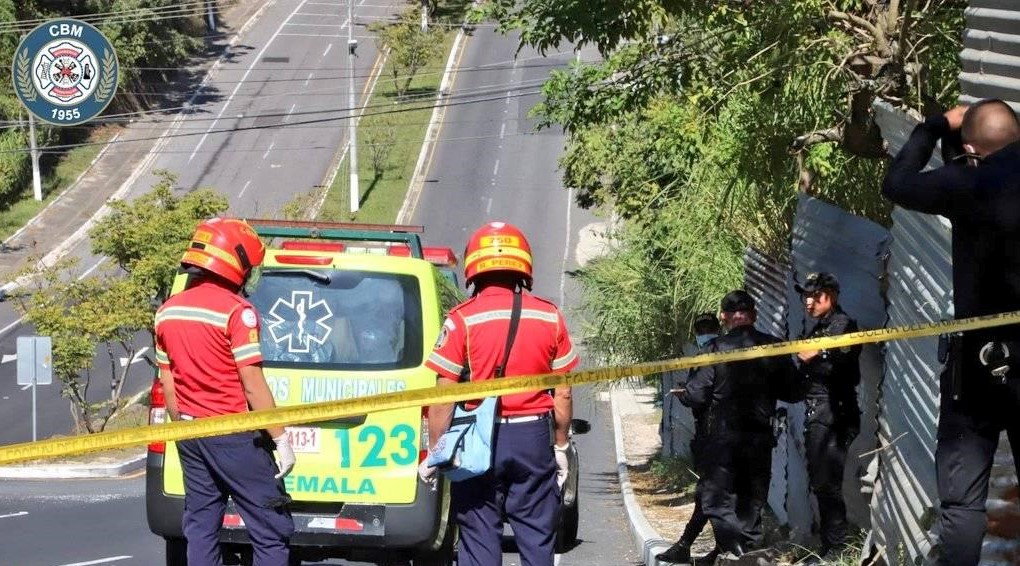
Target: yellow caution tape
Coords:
[[330, 410]]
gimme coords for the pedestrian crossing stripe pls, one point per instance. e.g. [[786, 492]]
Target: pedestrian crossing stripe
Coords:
[[332, 410]]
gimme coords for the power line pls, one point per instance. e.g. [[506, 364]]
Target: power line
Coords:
[[127, 16], [275, 126]]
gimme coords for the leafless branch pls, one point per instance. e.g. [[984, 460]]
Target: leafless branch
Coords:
[[855, 21]]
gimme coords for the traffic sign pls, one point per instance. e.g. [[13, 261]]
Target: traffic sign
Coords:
[[35, 360]]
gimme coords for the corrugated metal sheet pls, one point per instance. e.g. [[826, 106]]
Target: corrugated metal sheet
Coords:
[[920, 288], [857, 258], [904, 503], [768, 280], [991, 51]]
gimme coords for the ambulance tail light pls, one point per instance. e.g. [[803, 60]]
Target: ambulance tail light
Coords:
[[423, 451], [157, 413], [305, 246], [304, 259], [399, 250]]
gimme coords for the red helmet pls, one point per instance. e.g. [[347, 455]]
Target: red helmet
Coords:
[[497, 247], [227, 247]]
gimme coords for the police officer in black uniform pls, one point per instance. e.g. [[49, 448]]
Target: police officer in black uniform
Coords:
[[833, 418], [739, 403], [979, 192], [706, 329]]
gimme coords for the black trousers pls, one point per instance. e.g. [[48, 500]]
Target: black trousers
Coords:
[[734, 487], [698, 520], [968, 437], [828, 433]]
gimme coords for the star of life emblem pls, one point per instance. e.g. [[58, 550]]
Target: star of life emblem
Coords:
[[299, 322], [65, 71]]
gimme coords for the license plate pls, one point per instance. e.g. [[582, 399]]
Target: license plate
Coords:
[[304, 439]]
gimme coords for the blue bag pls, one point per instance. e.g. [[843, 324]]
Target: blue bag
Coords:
[[465, 449]]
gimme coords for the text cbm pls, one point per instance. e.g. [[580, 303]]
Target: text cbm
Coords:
[[66, 29]]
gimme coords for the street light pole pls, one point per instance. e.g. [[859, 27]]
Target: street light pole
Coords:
[[352, 122]]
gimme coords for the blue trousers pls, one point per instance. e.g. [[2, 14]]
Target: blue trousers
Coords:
[[239, 466], [522, 482]]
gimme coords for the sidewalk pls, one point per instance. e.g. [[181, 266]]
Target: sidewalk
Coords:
[[64, 222]]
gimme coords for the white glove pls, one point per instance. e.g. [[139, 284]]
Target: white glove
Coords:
[[426, 472], [562, 464], [285, 458]]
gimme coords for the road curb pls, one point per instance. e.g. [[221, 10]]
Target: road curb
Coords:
[[649, 543], [70, 471], [417, 183]]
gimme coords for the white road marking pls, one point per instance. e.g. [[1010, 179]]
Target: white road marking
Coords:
[[310, 75], [99, 561], [488, 207], [136, 358], [26, 387], [244, 77], [495, 170], [326, 52], [8, 358], [266, 154], [18, 514], [244, 188], [566, 248], [502, 130]]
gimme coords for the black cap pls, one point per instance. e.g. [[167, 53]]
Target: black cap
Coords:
[[815, 282], [736, 301], [706, 318]]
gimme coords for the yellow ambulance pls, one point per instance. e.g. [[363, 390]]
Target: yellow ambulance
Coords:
[[347, 311]]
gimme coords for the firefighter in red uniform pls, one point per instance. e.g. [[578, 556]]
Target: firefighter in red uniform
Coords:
[[207, 349], [532, 430]]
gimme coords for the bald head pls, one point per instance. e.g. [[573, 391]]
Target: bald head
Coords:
[[989, 126]]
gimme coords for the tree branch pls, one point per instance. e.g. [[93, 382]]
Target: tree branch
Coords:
[[828, 135], [855, 20]]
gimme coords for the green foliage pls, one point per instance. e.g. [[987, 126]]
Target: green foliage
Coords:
[[146, 39], [146, 237], [704, 120], [80, 314], [410, 48]]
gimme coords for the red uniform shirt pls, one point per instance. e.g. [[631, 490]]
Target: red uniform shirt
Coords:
[[474, 337], [203, 335]]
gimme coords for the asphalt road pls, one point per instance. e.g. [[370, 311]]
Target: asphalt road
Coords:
[[290, 67], [487, 166], [490, 164]]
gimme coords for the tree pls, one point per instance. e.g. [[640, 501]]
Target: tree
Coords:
[[104, 314], [81, 316], [146, 237], [715, 115], [410, 48], [380, 138]]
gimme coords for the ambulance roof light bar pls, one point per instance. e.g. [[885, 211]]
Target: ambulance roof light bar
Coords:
[[403, 234]]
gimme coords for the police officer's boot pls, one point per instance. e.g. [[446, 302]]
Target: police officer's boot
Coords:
[[679, 553]]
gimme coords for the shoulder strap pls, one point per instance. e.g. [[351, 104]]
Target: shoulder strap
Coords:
[[515, 319]]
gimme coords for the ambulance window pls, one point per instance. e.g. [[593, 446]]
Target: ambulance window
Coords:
[[339, 319]]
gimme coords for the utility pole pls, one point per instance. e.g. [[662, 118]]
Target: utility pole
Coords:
[[352, 122], [210, 14], [36, 178]]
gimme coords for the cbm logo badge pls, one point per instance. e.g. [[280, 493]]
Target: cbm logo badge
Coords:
[[65, 72]]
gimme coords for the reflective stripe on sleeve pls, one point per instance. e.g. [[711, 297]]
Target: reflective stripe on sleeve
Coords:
[[444, 363], [564, 361], [162, 358], [246, 352]]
